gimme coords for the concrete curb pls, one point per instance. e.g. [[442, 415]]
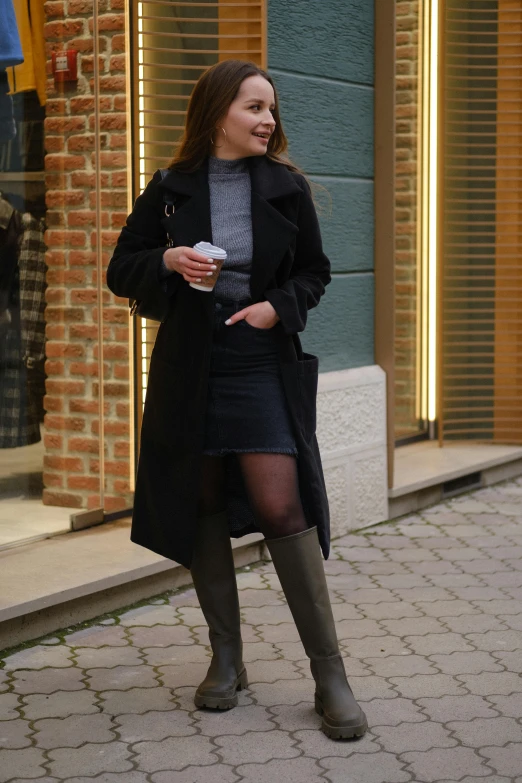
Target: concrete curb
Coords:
[[59, 605]]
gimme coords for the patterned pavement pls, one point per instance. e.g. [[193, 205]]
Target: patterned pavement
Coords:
[[429, 613]]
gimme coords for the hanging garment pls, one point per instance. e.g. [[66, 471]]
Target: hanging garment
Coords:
[[31, 75], [10, 231], [7, 120], [26, 152], [33, 270], [22, 342], [10, 46]]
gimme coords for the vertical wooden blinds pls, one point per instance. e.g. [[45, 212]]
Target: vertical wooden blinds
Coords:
[[172, 44], [480, 293]]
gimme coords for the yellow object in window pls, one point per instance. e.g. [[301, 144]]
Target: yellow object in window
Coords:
[[31, 74]]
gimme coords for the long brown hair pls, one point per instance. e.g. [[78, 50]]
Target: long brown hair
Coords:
[[215, 90]]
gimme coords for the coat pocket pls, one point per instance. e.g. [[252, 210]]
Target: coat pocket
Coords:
[[300, 379]]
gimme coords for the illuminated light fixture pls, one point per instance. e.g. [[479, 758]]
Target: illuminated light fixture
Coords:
[[432, 213], [427, 216], [144, 362], [141, 148], [141, 91]]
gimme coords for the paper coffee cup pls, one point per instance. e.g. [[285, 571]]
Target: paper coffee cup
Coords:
[[219, 255]]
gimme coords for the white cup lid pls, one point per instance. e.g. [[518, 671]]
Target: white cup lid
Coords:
[[210, 250]]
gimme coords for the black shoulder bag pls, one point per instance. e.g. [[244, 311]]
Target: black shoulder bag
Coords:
[[156, 306]]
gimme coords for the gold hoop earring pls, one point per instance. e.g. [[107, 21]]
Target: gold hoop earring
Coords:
[[212, 140]]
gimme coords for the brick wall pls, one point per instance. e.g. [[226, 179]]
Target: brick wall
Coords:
[[407, 22], [71, 439]]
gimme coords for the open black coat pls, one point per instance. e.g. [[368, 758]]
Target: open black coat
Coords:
[[290, 270]]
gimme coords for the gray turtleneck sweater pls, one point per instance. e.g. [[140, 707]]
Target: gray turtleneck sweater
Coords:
[[231, 217]]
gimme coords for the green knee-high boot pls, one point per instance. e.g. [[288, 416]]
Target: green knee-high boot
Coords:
[[299, 565], [214, 578]]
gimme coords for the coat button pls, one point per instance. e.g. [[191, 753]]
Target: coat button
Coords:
[[218, 306]]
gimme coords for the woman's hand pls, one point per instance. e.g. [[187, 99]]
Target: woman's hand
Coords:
[[261, 315], [193, 266]]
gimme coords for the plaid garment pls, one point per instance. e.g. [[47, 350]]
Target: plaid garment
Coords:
[[22, 346], [33, 270]]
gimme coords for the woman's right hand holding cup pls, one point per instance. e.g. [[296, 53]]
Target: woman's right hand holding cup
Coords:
[[193, 266]]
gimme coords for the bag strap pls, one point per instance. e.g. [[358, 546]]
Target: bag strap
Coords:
[[168, 197], [169, 201]]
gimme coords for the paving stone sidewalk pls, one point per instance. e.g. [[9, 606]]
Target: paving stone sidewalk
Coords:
[[429, 613]]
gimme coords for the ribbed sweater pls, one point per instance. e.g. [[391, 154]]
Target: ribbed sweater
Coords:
[[231, 220], [231, 216]]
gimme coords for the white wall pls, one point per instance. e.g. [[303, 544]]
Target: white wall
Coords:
[[351, 430]]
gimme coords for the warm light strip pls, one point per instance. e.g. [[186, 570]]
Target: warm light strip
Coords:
[[100, 283], [422, 197], [141, 148], [432, 212], [128, 110], [144, 363], [141, 113]]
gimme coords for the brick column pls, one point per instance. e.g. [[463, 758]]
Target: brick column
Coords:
[[71, 462], [407, 72]]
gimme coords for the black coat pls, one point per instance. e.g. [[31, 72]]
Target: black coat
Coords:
[[290, 270]]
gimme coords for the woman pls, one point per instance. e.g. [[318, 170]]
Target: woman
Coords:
[[228, 442]]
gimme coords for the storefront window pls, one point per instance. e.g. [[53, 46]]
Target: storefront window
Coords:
[[458, 207], [64, 431], [94, 109]]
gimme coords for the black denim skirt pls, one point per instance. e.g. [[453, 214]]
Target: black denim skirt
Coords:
[[246, 406]]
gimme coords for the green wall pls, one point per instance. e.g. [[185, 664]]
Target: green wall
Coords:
[[321, 58]]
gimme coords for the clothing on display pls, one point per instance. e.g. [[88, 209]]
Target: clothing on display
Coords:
[[10, 46], [22, 326], [7, 121], [31, 74], [10, 231], [22, 85], [26, 152]]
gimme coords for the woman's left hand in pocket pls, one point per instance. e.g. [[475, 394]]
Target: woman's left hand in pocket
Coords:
[[261, 315]]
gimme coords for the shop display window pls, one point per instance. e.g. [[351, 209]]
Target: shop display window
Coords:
[[91, 108], [65, 392]]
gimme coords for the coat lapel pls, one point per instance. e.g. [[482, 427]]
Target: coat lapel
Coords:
[[190, 222], [272, 231]]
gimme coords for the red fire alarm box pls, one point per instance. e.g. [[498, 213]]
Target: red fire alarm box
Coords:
[[65, 66]]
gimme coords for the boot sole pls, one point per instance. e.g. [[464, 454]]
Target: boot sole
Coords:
[[222, 702], [340, 732]]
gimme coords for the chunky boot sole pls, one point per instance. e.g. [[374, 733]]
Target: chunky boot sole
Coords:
[[334, 731], [225, 702]]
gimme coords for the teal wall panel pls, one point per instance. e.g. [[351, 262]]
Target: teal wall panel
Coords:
[[322, 62], [346, 218], [329, 125], [332, 38], [340, 330]]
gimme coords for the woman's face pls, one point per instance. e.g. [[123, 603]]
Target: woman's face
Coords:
[[249, 122]]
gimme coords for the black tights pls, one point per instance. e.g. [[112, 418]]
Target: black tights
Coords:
[[272, 486]]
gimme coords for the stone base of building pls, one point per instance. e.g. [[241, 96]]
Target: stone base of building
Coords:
[[351, 430]]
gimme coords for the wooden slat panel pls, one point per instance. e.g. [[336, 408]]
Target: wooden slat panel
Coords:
[[508, 377], [481, 393]]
